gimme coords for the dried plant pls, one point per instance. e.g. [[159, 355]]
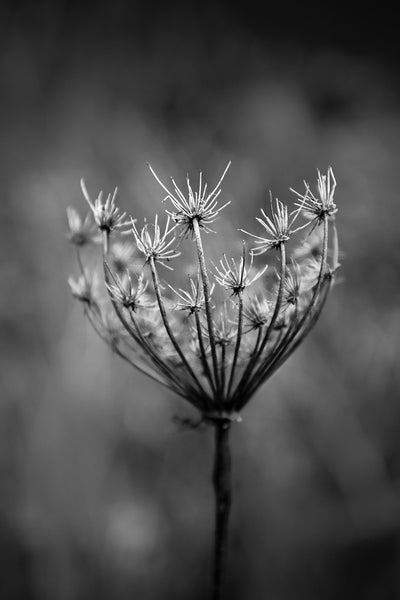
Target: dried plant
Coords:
[[213, 354]]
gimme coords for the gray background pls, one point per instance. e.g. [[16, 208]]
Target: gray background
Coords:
[[102, 494]]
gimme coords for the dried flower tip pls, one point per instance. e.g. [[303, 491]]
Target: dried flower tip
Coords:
[[225, 330], [193, 300], [318, 208], [278, 227], [80, 232], [291, 286], [123, 291], [106, 214], [198, 205], [157, 247], [235, 277], [257, 313]]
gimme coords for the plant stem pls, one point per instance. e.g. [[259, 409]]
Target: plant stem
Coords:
[[207, 299], [223, 495]]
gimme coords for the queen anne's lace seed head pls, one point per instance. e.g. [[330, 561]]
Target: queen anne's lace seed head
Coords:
[[235, 277], [156, 246], [317, 208], [106, 214], [291, 285], [215, 355], [124, 292], [257, 313], [279, 227], [198, 205], [192, 300], [225, 328]]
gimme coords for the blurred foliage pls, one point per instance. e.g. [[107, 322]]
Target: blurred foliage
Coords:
[[102, 494]]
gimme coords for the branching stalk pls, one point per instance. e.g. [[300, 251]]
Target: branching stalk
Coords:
[[168, 329], [137, 335], [257, 354]]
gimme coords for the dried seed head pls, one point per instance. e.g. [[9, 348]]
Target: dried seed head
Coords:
[[235, 277], [291, 286], [317, 208], [106, 214], [123, 291], [192, 300], [157, 246], [216, 356], [225, 330], [198, 205], [257, 313], [278, 227]]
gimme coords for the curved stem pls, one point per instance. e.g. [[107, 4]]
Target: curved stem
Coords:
[[168, 329], [136, 333], [203, 356], [297, 333], [258, 353], [143, 369], [223, 498]]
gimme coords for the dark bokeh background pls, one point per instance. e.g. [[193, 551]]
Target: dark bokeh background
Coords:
[[102, 495]]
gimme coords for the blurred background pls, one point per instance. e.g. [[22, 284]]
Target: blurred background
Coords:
[[102, 494]]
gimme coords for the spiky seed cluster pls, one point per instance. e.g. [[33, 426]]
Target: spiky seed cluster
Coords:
[[192, 300], [257, 313], [317, 208], [214, 355], [198, 205], [156, 246], [235, 277], [278, 227], [106, 214], [125, 293], [291, 285]]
